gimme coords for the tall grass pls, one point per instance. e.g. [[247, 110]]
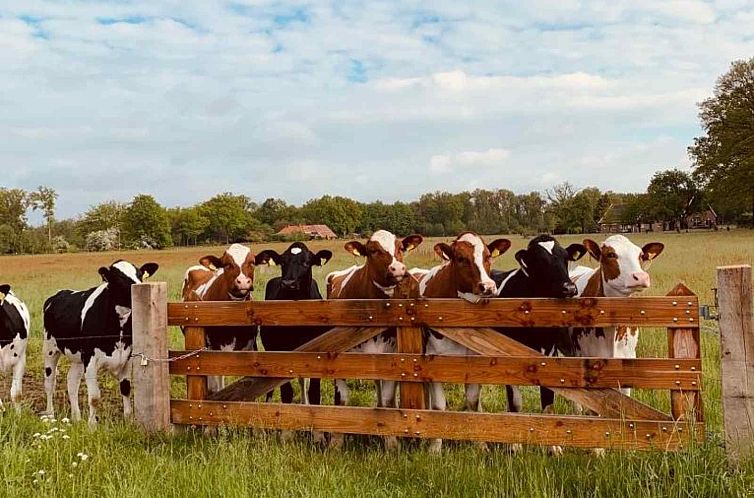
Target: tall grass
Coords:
[[122, 461]]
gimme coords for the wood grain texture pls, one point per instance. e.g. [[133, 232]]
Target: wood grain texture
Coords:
[[586, 432], [336, 340], [606, 402], [196, 385], [650, 373], [151, 382], [582, 312], [684, 343], [734, 284], [409, 341]]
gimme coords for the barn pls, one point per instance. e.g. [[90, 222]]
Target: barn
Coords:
[[313, 231]]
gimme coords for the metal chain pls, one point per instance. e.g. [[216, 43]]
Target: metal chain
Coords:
[[146, 359]]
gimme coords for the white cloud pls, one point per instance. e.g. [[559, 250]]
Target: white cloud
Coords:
[[467, 160], [300, 100]]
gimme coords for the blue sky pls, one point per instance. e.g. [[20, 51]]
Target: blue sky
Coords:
[[374, 100]]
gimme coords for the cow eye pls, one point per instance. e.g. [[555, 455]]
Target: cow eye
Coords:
[[612, 255]]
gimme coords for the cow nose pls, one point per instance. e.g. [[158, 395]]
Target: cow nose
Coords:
[[288, 284], [486, 288], [569, 289], [640, 279], [397, 269], [243, 282]]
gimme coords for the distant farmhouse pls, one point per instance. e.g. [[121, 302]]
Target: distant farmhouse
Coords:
[[612, 221], [312, 231]]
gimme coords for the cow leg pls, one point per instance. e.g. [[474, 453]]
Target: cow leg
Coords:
[[387, 400], [16, 383], [314, 397], [286, 396], [75, 372], [92, 390], [625, 347], [474, 404], [215, 383], [302, 384], [341, 399], [438, 402], [513, 393], [51, 357]]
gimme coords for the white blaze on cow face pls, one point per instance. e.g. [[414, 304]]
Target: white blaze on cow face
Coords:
[[239, 253], [487, 284], [388, 242], [548, 245], [128, 270]]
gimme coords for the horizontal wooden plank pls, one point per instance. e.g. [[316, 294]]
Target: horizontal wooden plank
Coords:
[[651, 373], [585, 432], [582, 312], [337, 340], [607, 402]]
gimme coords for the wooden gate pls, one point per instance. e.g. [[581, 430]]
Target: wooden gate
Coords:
[[624, 422]]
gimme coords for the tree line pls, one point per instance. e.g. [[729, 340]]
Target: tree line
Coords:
[[722, 176]]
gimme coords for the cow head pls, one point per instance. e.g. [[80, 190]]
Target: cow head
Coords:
[[236, 268], [121, 275], [623, 264], [470, 260], [4, 291], [545, 262], [384, 253], [295, 264]]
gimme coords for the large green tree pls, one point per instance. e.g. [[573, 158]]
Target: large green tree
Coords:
[[724, 156], [44, 199], [673, 195], [103, 217], [230, 217], [341, 214], [13, 206], [145, 223]]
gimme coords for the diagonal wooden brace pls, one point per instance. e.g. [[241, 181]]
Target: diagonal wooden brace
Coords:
[[335, 340], [606, 402]]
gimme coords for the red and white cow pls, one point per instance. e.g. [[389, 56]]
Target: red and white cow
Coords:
[[464, 273], [622, 272], [227, 278], [378, 278]]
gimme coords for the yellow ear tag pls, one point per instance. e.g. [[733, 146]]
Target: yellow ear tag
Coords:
[[271, 262], [410, 247], [356, 252], [495, 253], [2, 296], [322, 261], [212, 267], [146, 274]]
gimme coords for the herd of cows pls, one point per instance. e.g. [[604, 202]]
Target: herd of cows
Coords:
[[92, 328]]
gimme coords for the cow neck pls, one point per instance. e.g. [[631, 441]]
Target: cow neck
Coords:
[[303, 292], [443, 283], [595, 286], [362, 286], [517, 280]]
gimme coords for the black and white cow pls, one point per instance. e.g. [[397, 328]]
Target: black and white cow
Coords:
[[295, 283], [14, 334], [92, 328], [543, 273]]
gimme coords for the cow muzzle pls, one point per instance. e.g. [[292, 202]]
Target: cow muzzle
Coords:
[[569, 289], [639, 280], [487, 288]]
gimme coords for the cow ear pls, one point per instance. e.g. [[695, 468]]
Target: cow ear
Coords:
[[356, 248], [104, 272], [211, 262], [498, 247], [520, 257], [575, 252], [148, 269], [322, 257], [268, 257], [444, 251], [652, 250], [411, 242], [593, 249], [4, 290]]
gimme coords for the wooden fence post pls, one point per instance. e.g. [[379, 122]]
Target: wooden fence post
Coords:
[[196, 385], [412, 393], [737, 362], [150, 338], [684, 343]]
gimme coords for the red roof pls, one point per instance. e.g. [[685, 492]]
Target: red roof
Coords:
[[315, 231]]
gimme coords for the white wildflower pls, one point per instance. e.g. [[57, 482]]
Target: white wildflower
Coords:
[[66, 436], [65, 420], [75, 464], [36, 435]]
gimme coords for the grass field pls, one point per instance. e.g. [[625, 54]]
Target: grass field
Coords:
[[118, 460]]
